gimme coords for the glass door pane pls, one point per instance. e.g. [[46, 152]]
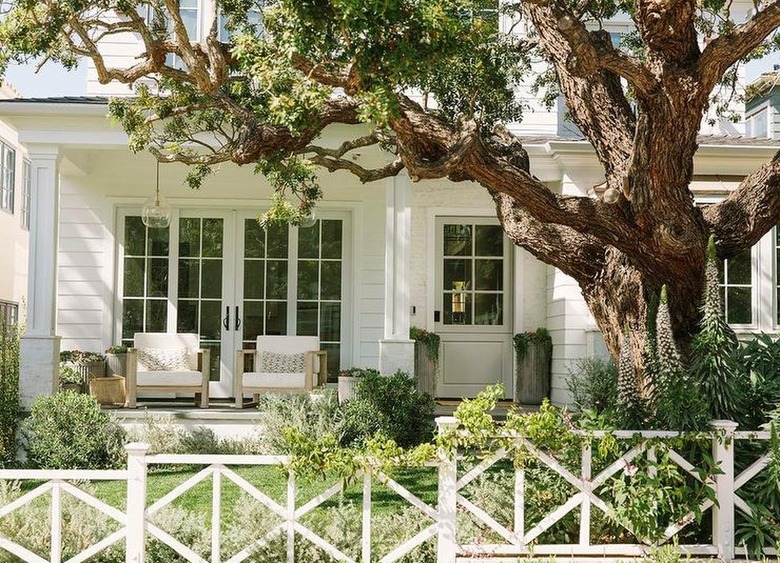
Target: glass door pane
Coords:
[[200, 272]]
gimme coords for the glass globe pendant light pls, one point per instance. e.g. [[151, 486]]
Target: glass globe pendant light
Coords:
[[309, 220], [156, 213]]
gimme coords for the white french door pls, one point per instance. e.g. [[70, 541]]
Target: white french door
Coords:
[[218, 274], [473, 305]]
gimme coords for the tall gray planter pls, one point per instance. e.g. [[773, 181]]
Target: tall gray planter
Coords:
[[117, 364], [424, 369], [533, 373]]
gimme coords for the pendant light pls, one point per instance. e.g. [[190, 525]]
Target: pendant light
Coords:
[[309, 220], [156, 213]]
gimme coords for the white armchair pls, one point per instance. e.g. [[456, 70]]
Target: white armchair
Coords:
[[281, 364], [169, 363]]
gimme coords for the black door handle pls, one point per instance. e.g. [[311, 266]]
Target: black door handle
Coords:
[[238, 320], [226, 320]]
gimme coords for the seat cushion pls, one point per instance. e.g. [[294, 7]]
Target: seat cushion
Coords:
[[172, 378], [277, 380], [163, 359], [272, 362]]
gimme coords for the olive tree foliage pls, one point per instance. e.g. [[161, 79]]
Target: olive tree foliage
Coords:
[[262, 95]]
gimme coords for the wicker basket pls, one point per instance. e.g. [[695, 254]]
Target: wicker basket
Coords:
[[109, 391]]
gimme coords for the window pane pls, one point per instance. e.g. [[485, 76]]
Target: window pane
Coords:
[[254, 239], [211, 320], [212, 238], [309, 241], [277, 279], [135, 236], [331, 281], [158, 242], [187, 316], [489, 274], [488, 309], [156, 316], [307, 318], [189, 237], [308, 279], [134, 277], [215, 354], [276, 318], [739, 307], [457, 274], [457, 240], [739, 268], [489, 240], [189, 278], [331, 238], [132, 317], [278, 239], [334, 360], [157, 281], [330, 322], [211, 284], [457, 308], [252, 320], [254, 271]]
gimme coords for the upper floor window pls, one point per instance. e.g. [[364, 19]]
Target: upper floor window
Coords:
[[757, 124], [736, 288], [26, 193], [9, 313], [7, 177], [255, 17]]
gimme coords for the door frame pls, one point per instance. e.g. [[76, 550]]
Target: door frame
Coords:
[[514, 312]]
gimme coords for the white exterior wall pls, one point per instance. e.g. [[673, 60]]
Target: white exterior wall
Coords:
[[15, 239], [118, 179]]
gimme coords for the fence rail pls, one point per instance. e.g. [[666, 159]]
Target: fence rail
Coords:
[[514, 538]]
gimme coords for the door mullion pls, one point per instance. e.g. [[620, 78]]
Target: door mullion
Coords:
[[173, 271]]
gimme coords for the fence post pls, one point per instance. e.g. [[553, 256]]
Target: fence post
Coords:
[[447, 545], [136, 501], [723, 511]]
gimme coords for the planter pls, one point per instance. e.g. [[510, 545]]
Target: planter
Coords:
[[88, 371], [424, 369], [116, 364], [109, 391], [72, 387], [347, 386], [534, 359]]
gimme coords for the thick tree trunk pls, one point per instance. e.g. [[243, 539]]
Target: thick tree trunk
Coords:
[[620, 297]]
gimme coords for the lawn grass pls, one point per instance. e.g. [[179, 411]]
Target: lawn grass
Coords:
[[271, 481]]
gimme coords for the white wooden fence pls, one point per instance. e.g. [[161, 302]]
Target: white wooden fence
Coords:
[[136, 525]]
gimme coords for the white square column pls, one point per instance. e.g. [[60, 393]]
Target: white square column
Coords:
[[40, 347], [396, 349]]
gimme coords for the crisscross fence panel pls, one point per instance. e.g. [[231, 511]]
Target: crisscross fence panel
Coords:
[[526, 532]]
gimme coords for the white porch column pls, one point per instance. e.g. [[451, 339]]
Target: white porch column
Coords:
[[396, 350], [40, 347]]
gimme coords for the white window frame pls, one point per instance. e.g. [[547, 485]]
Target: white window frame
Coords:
[[7, 178], [750, 118], [26, 194]]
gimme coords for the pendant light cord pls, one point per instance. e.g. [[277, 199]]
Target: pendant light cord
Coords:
[[157, 190]]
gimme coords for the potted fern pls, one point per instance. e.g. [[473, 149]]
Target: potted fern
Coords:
[[533, 351], [70, 379], [426, 358]]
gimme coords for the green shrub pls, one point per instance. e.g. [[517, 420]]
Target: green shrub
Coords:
[[69, 431], [390, 404], [314, 415], [593, 384], [9, 393]]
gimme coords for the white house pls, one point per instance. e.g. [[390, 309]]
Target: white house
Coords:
[[381, 256], [14, 220]]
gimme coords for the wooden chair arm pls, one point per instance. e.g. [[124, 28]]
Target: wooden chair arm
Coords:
[[322, 373], [204, 362]]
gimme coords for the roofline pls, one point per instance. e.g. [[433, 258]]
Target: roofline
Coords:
[[23, 107]]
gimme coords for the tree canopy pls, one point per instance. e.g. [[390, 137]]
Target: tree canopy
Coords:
[[431, 82]]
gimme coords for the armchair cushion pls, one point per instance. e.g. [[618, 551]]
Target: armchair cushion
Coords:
[[275, 380], [163, 359], [272, 362], [172, 378]]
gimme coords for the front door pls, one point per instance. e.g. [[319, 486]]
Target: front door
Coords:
[[473, 305], [221, 276]]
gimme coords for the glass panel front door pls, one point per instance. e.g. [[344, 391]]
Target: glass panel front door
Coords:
[[223, 277]]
